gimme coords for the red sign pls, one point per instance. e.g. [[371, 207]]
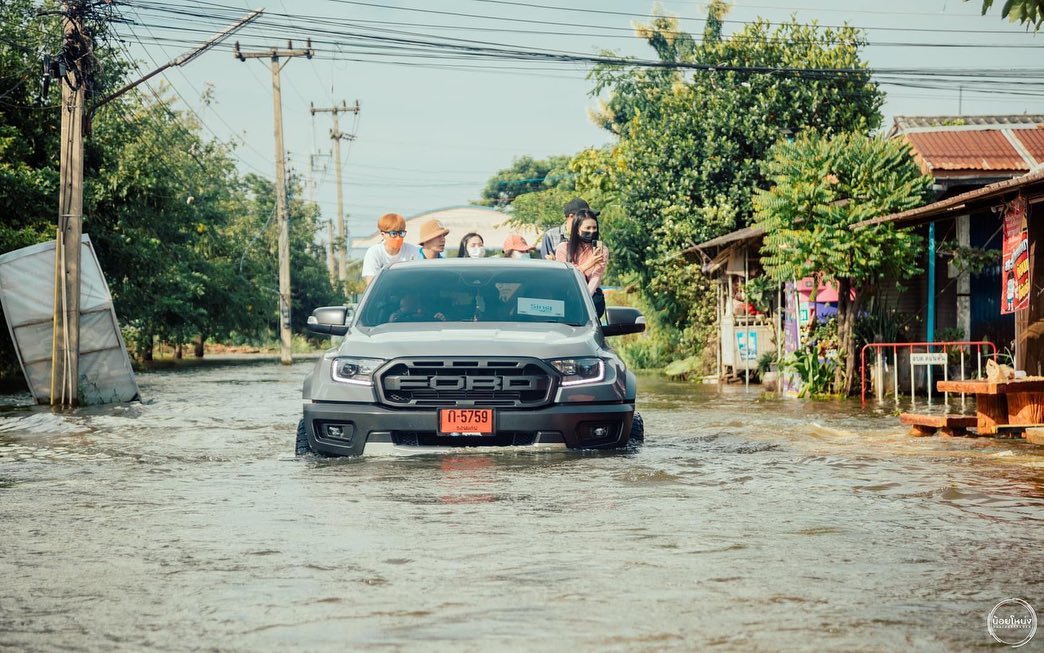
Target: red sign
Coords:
[[1015, 272]]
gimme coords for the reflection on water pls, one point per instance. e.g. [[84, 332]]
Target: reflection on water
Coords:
[[745, 523]]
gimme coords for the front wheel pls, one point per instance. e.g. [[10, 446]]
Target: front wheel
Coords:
[[302, 447], [637, 429]]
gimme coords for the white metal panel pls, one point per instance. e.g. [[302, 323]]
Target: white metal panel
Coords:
[[27, 296]]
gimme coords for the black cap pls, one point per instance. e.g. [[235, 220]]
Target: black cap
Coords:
[[576, 204]]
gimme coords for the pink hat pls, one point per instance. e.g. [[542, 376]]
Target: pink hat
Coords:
[[516, 243]]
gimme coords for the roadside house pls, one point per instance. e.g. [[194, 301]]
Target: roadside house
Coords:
[[962, 154], [1023, 199], [744, 333]]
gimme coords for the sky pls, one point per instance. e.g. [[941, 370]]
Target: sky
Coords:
[[435, 125]]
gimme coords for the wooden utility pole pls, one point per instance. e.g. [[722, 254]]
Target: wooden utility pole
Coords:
[[65, 364], [275, 55], [76, 76], [344, 236]]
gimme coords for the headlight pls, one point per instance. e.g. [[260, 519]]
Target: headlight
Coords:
[[349, 369], [577, 371]]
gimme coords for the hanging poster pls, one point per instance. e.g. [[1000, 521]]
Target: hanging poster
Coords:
[[747, 345], [1015, 278]]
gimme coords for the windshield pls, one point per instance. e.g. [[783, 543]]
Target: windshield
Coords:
[[452, 294]]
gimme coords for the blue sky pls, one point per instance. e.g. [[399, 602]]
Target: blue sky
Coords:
[[431, 132]]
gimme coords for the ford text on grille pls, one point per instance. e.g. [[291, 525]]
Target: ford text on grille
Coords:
[[465, 382]]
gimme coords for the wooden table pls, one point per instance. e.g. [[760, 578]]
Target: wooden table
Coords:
[[1001, 404]]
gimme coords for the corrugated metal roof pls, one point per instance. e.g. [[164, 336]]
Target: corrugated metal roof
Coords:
[[966, 150], [908, 123], [950, 206], [731, 237], [1033, 140]]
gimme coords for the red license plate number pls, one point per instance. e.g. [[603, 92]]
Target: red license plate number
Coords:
[[466, 421]]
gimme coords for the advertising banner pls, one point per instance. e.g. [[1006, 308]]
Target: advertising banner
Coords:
[[791, 382], [747, 345], [1015, 278]]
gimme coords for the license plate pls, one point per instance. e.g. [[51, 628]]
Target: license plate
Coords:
[[466, 421]]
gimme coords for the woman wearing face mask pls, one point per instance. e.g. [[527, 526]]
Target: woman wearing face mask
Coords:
[[515, 246], [472, 246], [585, 252], [391, 249]]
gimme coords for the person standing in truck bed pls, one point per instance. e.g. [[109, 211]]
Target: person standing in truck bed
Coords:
[[391, 249], [585, 252], [557, 235]]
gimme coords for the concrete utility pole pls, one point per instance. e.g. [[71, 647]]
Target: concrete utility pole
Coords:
[[275, 55], [344, 236], [65, 363]]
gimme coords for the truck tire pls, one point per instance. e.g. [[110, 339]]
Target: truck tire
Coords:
[[302, 447], [637, 430]]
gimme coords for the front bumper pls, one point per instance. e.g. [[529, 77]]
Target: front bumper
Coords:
[[347, 429]]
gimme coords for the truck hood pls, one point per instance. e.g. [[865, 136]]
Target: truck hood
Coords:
[[537, 340]]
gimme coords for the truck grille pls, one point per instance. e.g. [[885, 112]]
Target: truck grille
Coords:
[[492, 382]]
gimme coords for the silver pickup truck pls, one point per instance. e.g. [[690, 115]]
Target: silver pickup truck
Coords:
[[456, 353]]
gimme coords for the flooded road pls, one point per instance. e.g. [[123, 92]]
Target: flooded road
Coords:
[[745, 523]]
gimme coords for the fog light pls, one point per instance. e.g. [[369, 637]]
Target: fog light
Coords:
[[597, 431], [335, 431]]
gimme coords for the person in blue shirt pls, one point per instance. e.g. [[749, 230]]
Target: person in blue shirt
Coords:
[[433, 239]]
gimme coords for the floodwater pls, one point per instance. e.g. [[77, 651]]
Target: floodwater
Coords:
[[745, 524]]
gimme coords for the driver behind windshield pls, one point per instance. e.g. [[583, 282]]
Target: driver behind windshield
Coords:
[[411, 310]]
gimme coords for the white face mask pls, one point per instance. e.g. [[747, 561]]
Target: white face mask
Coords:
[[477, 251], [519, 254]]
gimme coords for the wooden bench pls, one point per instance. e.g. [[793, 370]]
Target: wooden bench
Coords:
[[1034, 435], [950, 424], [1000, 404]]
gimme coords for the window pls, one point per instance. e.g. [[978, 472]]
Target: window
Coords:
[[480, 294]]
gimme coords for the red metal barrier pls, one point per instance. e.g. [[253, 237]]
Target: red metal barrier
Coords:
[[938, 347]]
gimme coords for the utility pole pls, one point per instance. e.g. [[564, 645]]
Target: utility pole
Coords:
[[275, 55], [344, 237], [66, 335], [75, 71]]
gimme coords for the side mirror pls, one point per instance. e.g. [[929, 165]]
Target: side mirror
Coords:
[[330, 320], [623, 320]]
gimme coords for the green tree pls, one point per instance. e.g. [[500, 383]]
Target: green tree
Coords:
[[1027, 12], [309, 281], [526, 175], [186, 245], [28, 129], [691, 145], [162, 207], [821, 186]]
